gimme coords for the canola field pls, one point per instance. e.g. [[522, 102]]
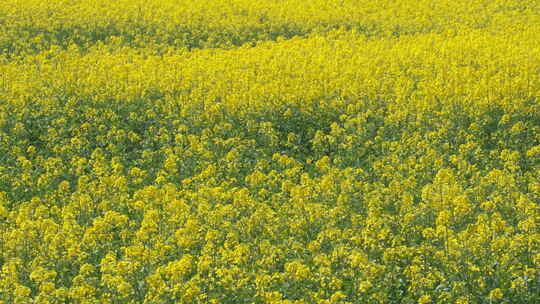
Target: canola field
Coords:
[[277, 151]]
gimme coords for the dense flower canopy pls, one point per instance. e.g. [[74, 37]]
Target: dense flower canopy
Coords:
[[235, 151]]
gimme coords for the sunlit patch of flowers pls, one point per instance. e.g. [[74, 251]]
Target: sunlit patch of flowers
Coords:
[[271, 152]]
